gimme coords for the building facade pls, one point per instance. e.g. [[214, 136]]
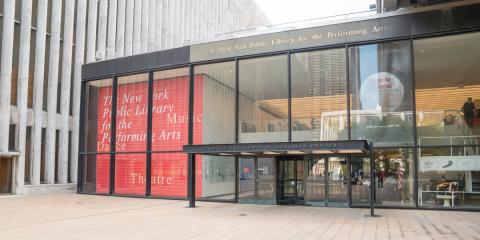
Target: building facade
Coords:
[[284, 117], [43, 45]]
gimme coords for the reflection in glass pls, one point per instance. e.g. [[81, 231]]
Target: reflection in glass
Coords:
[[266, 180], [319, 95], [96, 173], [247, 178], [263, 99], [132, 109], [97, 116], [394, 177], [315, 183], [449, 177], [360, 180], [381, 93], [446, 76], [218, 177], [256, 180], [218, 104], [337, 182]]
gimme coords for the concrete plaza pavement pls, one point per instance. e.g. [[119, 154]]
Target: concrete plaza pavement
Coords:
[[73, 216]]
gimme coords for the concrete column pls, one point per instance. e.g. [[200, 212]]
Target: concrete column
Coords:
[[112, 27], [92, 30], [77, 80], [144, 31], [102, 29], [151, 25], [52, 91], [129, 11], [168, 24], [137, 26], [120, 42], [6, 71], [36, 150], [158, 24], [66, 77], [22, 94]]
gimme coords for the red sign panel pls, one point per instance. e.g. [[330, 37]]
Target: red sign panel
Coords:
[[169, 133]]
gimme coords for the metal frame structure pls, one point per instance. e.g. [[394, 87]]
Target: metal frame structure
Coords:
[[180, 62]]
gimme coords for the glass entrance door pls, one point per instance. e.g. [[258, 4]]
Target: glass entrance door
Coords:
[[337, 182], [291, 180], [326, 181], [256, 180]]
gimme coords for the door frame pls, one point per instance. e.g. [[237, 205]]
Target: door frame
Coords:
[[256, 181], [304, 158], [9, 174], [295, 200]]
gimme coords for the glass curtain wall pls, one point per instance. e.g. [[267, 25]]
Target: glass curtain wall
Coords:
[[97, 136], [170, 133], [381, 90], [447, 101], [215, 113], [381, 93], [131, 134], [319, 95], [263, 99]]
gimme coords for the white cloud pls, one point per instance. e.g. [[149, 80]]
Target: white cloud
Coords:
[[279, 11]]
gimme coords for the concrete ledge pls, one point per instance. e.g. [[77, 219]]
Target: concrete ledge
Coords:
[[49, 188]]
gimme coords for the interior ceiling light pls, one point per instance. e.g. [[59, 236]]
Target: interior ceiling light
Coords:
[[270, 153], [322, 152]]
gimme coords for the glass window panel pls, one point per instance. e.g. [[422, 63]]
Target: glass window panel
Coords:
[[215, 91], [170, 109], [130, 175], [449, 177], [381, 93], [263, 99], [319, 96], [96, 173], [218, 177], [394, 177], [266, 180], [170, 175], [446, 75], [97, 115], [315, 181], [360, 180], [246, 180], [132, 109]]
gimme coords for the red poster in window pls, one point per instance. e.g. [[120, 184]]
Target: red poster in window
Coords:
[[169, 133]]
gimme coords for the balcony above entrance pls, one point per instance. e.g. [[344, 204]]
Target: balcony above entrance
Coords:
[[354, 147]]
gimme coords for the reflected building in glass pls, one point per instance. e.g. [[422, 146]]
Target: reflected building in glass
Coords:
[[406, 82]]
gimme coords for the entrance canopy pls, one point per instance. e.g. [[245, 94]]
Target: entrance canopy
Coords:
[[356, 147]]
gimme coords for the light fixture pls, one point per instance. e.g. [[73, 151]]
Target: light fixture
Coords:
[[247, 153], [322, 152], [270, 153], [350, 151], [225, 154], [295, 152]]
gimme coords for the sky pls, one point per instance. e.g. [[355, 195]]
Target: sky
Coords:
[[283, 11]]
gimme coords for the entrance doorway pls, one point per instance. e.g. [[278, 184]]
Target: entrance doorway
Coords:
[[311, 180], [256, 180], [5, 175], [291, 173]]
